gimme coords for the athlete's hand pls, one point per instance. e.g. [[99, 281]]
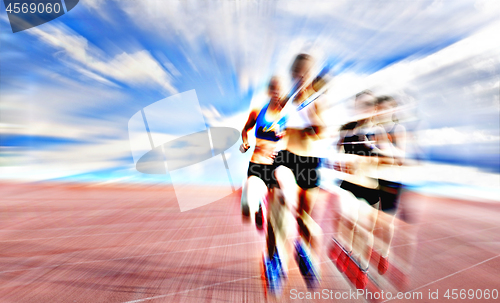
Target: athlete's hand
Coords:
[[244, 147], [274, 154], [369, 144], [348, 167], [336, 165]]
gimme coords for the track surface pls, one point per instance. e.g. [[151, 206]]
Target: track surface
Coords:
[[68, 243]]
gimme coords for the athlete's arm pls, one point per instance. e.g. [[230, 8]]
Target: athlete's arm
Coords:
[[382, 146], [318, 130], [252, 118], [399, 149]]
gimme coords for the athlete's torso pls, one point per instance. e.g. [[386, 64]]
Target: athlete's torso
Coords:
[[299, 142], [388, 170], [266, 126], [356, 144], [359, 144], [267, 134]]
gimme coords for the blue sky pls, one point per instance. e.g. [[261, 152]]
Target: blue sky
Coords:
[[69, 87]]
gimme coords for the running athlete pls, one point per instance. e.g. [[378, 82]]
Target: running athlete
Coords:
[[389, 175], [260, 170], [297, 171], [363, 143]]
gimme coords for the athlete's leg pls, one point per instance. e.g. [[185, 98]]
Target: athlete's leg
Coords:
[[296, 198], [288, 186], [384, 232], [309, 230], [276, 252], [254, 193], [401, 260], [301, 202], [348, 217], [363, 234], [278, 226], [344, 225], [284, 203]]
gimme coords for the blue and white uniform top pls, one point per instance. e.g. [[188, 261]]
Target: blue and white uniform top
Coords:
[[268, 129]]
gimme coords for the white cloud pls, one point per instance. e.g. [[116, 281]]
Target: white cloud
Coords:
[[451, 136], [63, 161], [258, 40], [138, 69], [461, 79], [488, 6]]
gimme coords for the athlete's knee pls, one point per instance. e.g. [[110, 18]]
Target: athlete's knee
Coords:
[[255, 182], [349, 223]]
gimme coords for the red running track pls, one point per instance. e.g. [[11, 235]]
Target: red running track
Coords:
[[76, 243]]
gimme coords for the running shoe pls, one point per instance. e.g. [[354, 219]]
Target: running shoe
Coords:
[[362, 278], [383, 265], [342, 261], [356, 275], [279, 265], [306, 266], [272, 274], [359, 276], [335, 250]]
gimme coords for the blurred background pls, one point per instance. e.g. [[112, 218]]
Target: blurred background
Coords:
[[69, 87], [79, 221]]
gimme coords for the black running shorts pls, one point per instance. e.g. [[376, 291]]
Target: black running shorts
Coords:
[[305, 169], [389, 195], [263, 171], [369, 194]]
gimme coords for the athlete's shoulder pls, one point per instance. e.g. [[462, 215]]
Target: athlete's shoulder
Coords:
[[257, 109]]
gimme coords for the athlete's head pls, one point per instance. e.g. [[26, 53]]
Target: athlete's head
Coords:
[[365, 103], [301, 68], [384, 105], [274, 89]]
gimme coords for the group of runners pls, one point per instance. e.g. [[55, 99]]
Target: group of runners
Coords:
[[284, 177]]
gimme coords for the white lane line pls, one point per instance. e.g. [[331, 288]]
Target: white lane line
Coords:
[[139, 256], [203, 287], [450, 275], [197, 238], [189, 290]]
